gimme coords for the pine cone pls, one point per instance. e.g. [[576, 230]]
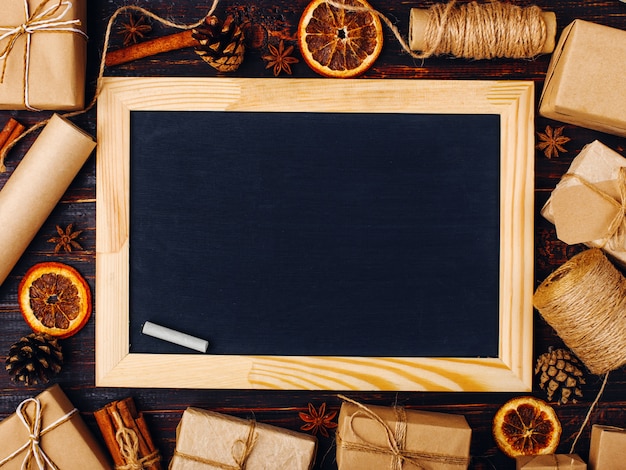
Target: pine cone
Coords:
[[34, 359], [561, 375], [221, 43]]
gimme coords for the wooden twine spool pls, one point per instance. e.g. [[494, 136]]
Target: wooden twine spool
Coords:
[[584, 300], [482, 30]]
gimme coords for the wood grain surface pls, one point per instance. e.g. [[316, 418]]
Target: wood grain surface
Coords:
[[270, 22]]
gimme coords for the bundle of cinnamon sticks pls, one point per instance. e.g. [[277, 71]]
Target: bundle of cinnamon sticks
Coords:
[[8, 134], [127, 436]]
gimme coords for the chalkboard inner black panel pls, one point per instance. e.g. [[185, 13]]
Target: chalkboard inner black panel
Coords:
[[316, 233]]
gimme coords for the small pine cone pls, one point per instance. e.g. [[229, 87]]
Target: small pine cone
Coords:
[[221, 43], [35, 358], [560, 375]]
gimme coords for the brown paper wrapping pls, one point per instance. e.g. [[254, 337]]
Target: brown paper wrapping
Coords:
[[36, 186], [433, 441], [72, 434], [607, 449], [574, 91], [550, 462], [586, 204], [203, 436], [55, 60]]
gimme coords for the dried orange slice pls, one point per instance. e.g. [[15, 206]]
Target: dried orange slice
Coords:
[[526, 426], [54, 299], [338, 41]]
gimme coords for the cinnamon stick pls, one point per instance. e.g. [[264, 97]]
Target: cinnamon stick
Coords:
[[123, 414], [11, 130], [107, 428], [149, 48]]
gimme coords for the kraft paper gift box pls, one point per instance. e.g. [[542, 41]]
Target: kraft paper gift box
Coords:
[[550, 462], [207, 440], [586, 205], [585, 81], [60, 429], [47, 72], [380, 437], [607, 449]]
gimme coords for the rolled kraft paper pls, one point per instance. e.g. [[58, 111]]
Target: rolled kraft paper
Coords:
[[584, 300], [36, 186], [418, 21]]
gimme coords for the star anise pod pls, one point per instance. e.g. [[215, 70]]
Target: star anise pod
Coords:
[[318, 420], [66, 239], [280, 58], [134, 30], [552, 141]]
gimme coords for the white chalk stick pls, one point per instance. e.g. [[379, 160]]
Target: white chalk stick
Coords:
[[176, 337]]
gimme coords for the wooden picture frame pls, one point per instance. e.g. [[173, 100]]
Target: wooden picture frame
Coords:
[[513, 101]]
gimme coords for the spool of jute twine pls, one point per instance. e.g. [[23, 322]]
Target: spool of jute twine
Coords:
[[482, 30], [485, 31], [584, 300]]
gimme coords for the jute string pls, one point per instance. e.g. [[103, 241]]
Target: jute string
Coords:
[[35, 454], [485, 31], [128, 443], [45, 18], [584, 300], [396, 442], [473, 30], [241, 451]]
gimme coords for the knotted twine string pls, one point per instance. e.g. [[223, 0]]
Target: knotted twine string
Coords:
[[616, 231], [105, 47], [43, 19], [396, 441], [240, 460], [128, 444], [35, 452], [473, 30]]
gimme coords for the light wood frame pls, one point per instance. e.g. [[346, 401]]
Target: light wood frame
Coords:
[[510, 371]]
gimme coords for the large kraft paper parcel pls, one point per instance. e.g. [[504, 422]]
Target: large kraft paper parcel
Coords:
[[206, 440], [48, 74], [64, 437], [586, 80], [380, 437]]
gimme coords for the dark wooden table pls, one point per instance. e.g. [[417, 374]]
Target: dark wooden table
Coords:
[[272, 22]]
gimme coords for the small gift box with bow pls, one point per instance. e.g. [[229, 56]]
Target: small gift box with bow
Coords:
[[40, 432], [394, 438], [588, 204], [550, 462], [43, 50], [206, 440]]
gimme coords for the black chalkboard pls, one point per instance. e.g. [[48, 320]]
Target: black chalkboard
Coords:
[[316, 233]]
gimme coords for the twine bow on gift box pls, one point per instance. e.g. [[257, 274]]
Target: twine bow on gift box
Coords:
[[395, 447], [35, 454], [240, 455], [616, 231], [45, 18]]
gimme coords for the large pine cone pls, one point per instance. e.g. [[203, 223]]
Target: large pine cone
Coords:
[[34, 359], [560, 375], [221, 43]]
